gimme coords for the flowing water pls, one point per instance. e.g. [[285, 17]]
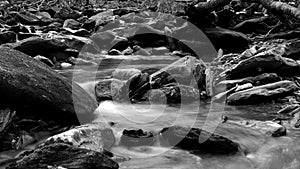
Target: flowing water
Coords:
[[258, 151]]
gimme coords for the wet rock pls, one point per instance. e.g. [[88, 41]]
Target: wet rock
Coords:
[[89, 24], [131, 138], [64, 156], [264, 63], [124, 74], [110, 40], [7, 37], [243, 87], [44, 60], [268, 127], [97, 137], [295, 122], [262, 93], [173, 94], [188, 139], [229, 41], [108, 89], [114, 52], [71, 23], [33, 89]]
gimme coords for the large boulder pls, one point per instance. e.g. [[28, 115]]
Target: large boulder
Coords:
[[189, 139], [64, 156], [262, 93], [32, 88], [49, 48]]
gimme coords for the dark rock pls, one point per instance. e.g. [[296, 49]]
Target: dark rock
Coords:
[[256, 25], [262, 93], [66, 156], [124, 11], [108, 89], [49, 48], [7, 37], [22, 36], [97, 137], [229, 41], [33, 89], [189, 139], [89, 24], [28, 19], [131, 138], [264, 63], [109, 40], [18, 29]]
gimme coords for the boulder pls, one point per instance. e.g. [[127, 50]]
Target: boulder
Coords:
[[131, 138], [64, 156], [44, 60], [97, 137], [229, 41], [33, 89], [189, 139], [108, 89], [264, 63], [262, 93], [7, 37], [49, 48]]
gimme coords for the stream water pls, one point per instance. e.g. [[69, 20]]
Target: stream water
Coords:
[[258, 150]]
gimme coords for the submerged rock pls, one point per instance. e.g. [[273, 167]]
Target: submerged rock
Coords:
[[188, 139], [32, 88], [64, 156], [262, 93], [108, 89], [139, 137]]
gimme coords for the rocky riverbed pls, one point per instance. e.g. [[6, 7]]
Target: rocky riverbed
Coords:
[[133, 84]]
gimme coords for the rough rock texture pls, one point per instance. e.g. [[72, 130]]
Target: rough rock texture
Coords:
[[139, 137], [97, 137], [32, 88], [188, 139], [66, 156], [108, 89], [264, 62], [262, 93]]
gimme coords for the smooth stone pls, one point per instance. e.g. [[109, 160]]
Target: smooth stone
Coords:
[[108, 89], [134, 138]]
